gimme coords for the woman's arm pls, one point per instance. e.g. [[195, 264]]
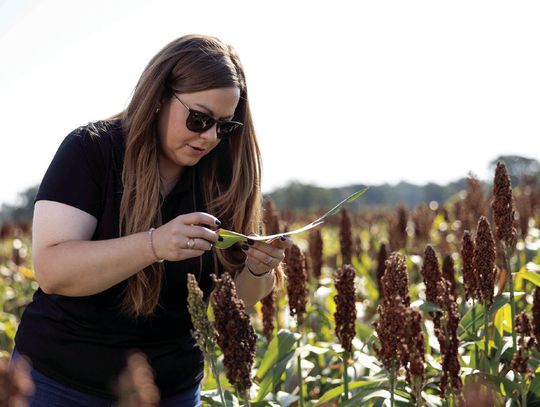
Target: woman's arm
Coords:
[[67, 262]]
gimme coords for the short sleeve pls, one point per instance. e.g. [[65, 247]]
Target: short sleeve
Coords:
[[74, 173]]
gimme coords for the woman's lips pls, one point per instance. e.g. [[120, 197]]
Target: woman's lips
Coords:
[[196, 150]]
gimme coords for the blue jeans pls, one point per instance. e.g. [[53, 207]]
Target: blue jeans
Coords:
[[50, 393]]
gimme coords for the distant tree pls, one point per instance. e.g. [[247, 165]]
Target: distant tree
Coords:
[[23, 209]]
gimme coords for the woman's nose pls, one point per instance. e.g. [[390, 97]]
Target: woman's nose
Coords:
[[211, 133]]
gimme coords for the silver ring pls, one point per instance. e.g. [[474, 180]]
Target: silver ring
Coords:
[[190, 243], [268, 260]]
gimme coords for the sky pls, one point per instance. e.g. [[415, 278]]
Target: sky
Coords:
[[342, 92]]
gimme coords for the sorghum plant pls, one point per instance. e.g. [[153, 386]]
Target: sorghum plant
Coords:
[[484, 264], [470, 280], [345, 237], [316, 253], [381, 267], [448, 273], [204, 332], [235, 335], [520, 359], [345, 315], [503, 215], [398, 229]]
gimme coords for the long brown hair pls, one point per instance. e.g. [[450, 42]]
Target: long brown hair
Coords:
[[230, 173]]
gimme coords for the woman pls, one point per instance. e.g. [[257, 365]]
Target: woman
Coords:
[[127, 208]]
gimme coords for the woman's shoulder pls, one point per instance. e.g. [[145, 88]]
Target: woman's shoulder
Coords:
[[99, 137]]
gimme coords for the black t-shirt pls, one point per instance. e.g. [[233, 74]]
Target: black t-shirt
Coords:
[[82, 341]]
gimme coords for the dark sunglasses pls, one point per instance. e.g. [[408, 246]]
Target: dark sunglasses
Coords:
[[199, 122]]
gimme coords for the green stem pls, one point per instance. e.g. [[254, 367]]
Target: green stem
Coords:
[[418, 394], [245, 396], [475, 333], [216, 376], [486, 338], [345, 375], [392, 384], [300, 380], [507, 257]]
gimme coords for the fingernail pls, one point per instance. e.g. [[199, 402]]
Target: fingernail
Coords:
[[250, 241], [245, 247], [283, 238], [218, 223], [220, 239]]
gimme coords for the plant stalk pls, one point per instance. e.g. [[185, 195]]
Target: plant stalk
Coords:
[[486, 338], [245, 396], [392, 384], [216, 376], [507, 257], [476, 358], [345, 375], [300, 380]]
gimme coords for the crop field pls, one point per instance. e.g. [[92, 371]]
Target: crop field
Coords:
[[436, 305]]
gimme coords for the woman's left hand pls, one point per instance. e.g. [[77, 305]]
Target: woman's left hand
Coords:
[[263, 257]]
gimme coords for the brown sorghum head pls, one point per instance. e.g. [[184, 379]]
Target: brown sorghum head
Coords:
[[345, 315], [449, 340], [475, 202], [395, 280], [235, 335], [271, 218], [448, 272], [316, 253], [268, 315], [345, 237], [398, 229], [484, 260], [136, 387], [520, 360], [297, 283], [503, 212], [381, 267], [412, 346], [388, 323], [523, 207], [536, 314], [15, 382], [470, 278], [423, 218], [431, 274]]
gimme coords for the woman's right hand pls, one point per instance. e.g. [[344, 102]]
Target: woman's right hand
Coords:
[[185, 236]]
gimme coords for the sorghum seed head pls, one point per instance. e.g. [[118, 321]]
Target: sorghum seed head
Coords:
[[204, 331], [345, 315], [470, 278], [296, 283], [381, 267], [503, 212], [316, 253], [448, 272], [345, 237], [484, 260], [395, 281], [235, 335], [431, 274]]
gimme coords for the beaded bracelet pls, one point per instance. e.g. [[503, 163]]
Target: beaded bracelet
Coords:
[[258, 275], [150, 233]]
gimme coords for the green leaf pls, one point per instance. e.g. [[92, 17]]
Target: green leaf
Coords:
[[532, 276], [272, 377], [337, 391], [229, 237], [279, 347], [280, 350], [212, 398]]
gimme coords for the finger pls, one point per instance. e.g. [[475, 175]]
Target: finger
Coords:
[[283, 242], [201, 233], [266, 259], [199, 218], [266, 248]]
